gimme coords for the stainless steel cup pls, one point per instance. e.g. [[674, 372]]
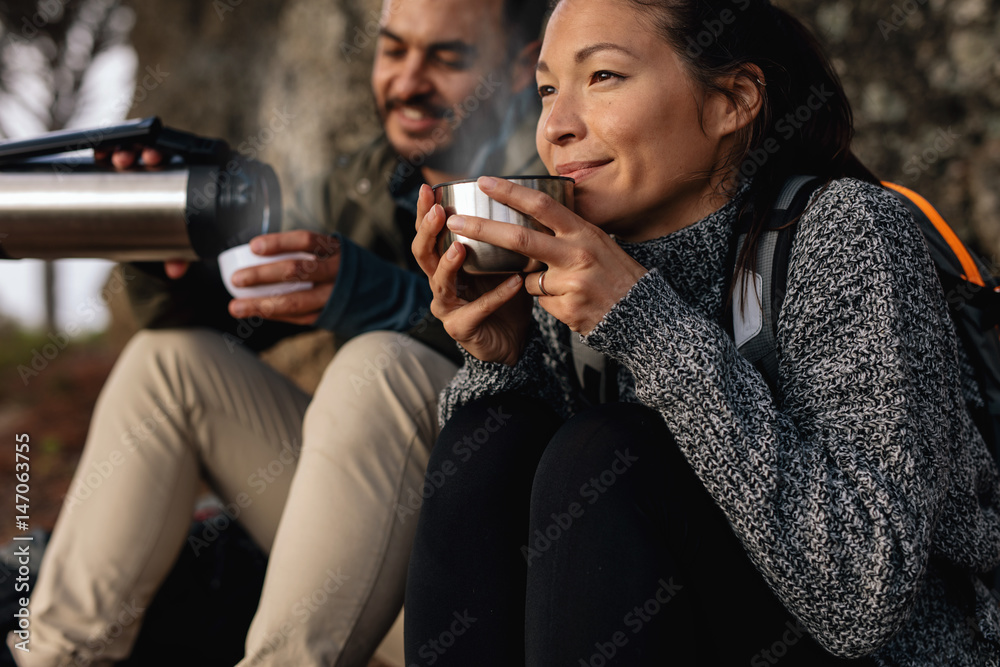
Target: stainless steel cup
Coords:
[[465, 198]]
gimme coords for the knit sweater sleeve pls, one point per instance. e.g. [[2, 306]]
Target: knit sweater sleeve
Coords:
[[835, 493], [542, 372]]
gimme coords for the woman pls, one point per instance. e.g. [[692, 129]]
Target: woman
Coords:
[[699, 518]]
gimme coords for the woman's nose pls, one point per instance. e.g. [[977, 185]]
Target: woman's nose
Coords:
[[563, 122]]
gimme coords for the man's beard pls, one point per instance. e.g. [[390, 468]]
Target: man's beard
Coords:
[[470, 131], [471, 134]]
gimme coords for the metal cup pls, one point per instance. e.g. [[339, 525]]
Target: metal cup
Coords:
[[465, 198]]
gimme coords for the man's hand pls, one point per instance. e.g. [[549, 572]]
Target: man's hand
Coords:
[[126, 158], [302, 307]]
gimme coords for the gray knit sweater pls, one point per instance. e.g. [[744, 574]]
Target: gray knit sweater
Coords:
[[863, 492]]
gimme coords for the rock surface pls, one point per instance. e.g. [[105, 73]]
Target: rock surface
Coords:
[[924, 79]]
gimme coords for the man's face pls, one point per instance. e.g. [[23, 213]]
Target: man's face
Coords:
[[441, 77]]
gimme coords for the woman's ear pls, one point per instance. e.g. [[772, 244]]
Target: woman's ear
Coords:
[[522, 72], [727, 113]]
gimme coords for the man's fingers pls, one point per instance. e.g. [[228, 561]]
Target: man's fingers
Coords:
[[123, 159], [299, 306], [152, 157], [298, 240], [127, 157], [306, 270], [175, 268]]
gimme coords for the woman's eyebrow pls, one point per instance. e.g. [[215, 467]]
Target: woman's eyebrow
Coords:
[[588, 51]]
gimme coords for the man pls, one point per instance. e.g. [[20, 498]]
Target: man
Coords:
[[325, 484]]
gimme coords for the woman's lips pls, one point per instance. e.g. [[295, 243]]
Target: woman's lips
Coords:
[[579, 171]]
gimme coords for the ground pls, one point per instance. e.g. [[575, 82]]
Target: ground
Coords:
[[47, 393]]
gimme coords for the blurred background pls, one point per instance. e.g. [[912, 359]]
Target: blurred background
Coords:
[[289, 79]]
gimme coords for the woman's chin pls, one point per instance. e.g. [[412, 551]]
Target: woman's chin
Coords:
[[597, 215]]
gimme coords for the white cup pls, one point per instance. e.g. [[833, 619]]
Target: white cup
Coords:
[[241, 257]]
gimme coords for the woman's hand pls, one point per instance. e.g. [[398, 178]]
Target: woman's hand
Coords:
[[488, 315], [588, 273]]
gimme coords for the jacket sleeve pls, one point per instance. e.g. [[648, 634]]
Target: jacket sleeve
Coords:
[[372, 294], [836, 493]]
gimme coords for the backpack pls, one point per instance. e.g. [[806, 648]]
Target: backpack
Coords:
[[971, 291]]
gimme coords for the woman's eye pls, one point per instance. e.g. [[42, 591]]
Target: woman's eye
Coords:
[[545, 91], [604, 75]]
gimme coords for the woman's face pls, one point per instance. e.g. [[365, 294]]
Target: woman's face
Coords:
[[621, 117]]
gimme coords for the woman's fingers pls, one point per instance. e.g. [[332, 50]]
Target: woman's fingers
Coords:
[[451, 295], [461, 312], [444, 281], [556, 218], [425, 199], [540, 284], [425, 243], [465, 321], [535, 244], [538, 205]]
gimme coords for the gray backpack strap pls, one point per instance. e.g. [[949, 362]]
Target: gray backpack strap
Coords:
[[757, 296], [753, 309]]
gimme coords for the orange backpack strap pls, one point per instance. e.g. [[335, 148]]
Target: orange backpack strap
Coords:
[[970, 271], [973, 296]]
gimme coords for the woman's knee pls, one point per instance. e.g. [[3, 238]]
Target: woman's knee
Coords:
[[488, 452], [609, 448], [612, 434]]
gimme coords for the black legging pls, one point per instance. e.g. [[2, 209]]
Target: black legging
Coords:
[[589, 542]]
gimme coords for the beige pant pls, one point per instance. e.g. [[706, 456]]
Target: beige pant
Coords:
[[322, 485]]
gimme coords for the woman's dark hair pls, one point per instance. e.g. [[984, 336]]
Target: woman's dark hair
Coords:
[[524, 20], [805, 124]]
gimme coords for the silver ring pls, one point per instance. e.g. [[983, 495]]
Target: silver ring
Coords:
[[541, 283]]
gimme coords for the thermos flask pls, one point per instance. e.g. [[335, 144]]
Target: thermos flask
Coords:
[[205, 200]]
